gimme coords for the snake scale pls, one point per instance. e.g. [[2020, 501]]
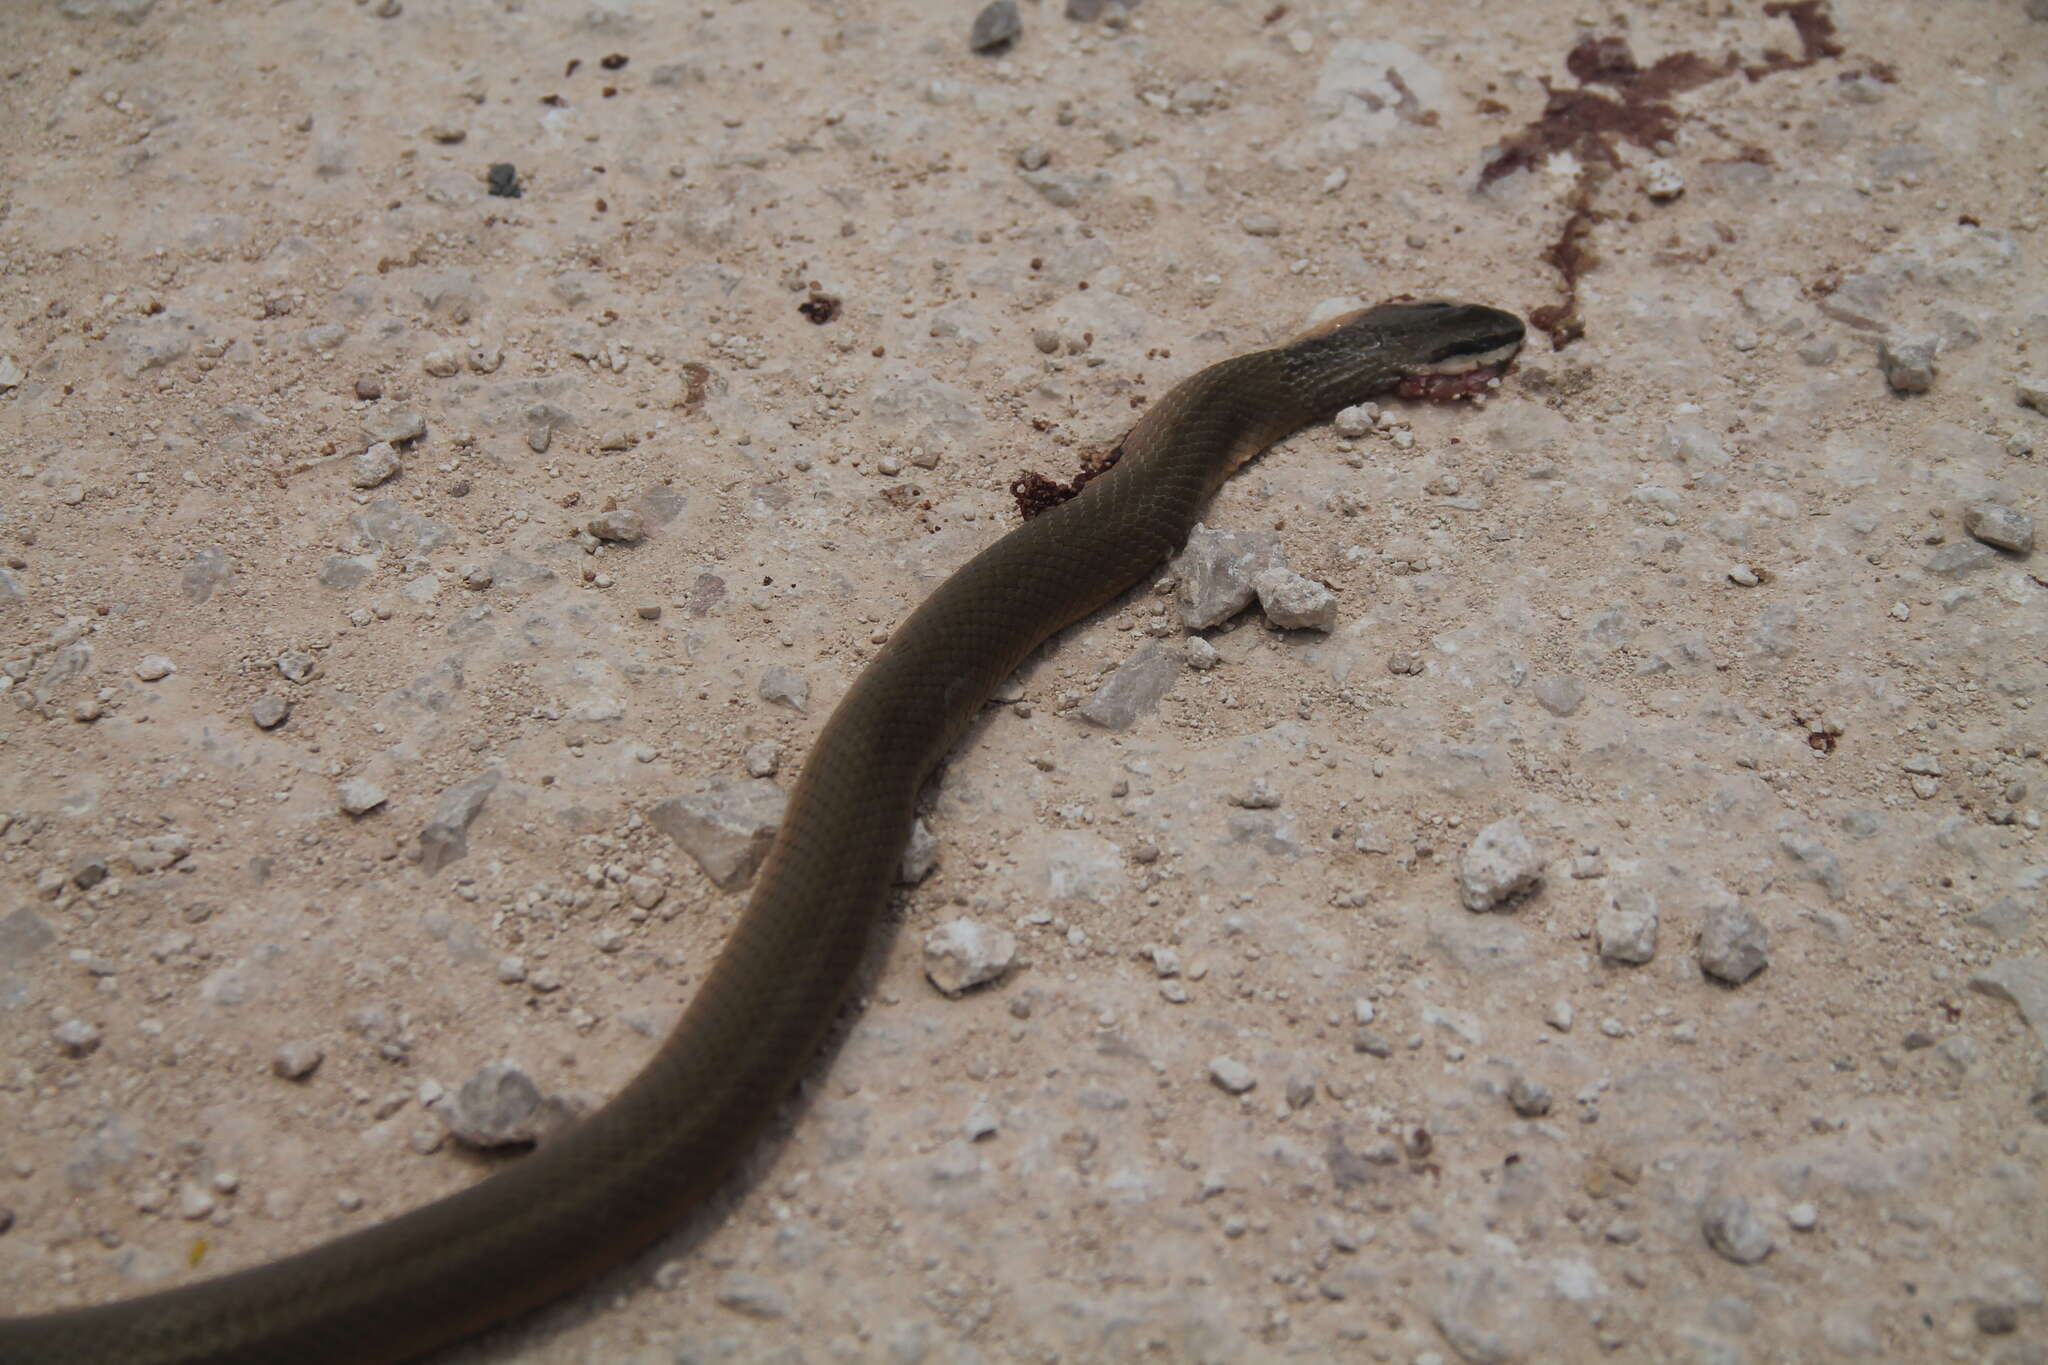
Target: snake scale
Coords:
[[630, 1171]]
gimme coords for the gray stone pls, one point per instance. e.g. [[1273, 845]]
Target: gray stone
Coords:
[[1500, 864], [754, 1297], [1953, 560], [1995, 524], [726, 826], [963, 953], [445, 838], [395, 425], [784, 686], [621, 525], [1483, 1314], [1627, 926], [1216, 570], [1231, 1075], [1734, 1231], [996, 27], [1559, 694], [1529, 1098], [205, 573], [2022, 982], [920, 855], [1817, 862], [269, 711], [23, 934], [1135, 688], [1908, 362], [498, 1106], [2008, 918], [342, 572], [378, 464], [1734, 945], [296, 1060], [1293, 602], [358, 795], [76, 1038], [297, 665]]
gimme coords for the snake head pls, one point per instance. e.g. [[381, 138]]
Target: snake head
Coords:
[[1421, 348]]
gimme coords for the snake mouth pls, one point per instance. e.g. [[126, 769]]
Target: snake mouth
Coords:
[[1460, 375]]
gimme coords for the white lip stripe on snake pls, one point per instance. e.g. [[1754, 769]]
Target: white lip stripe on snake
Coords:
[[630, 1171]]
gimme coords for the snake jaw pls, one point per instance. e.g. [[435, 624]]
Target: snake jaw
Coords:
[[1437, 386]]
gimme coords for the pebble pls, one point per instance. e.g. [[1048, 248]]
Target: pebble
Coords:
[[763, 757], [2032, 393], [1818, 862], [441, 363], [1627, 926], [359, 795], [1371, 1043], [444, 838], [1293, 602], [76, 1038], [11, 373], [1662, 180], [725, 826], [269, 711], [477, 578], [920, 855], [1996, 1319], [996, 27], [1908, 362], [154, 667], [1734, 1231], [784, 686], [1802, 1217], [1559, 1016], [2023, 983], [1743, 576], [498, 1106], [1259, 225], [1135, 688], [621, 525], [296, 1060], [1734, 945], [369, 387], [396, 425], [1356, 421], [374, 465], [2006, 528], [1215, 572], [1559, 694], [1201, 655], [1500, 864], [297, 665], [1530, 1099], [1231, 1075], [1034, 158], [963, 953]]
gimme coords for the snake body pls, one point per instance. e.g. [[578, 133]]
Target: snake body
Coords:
[[629, 1172]]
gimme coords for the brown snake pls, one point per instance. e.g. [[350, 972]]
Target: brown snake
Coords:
[[630, 1171]]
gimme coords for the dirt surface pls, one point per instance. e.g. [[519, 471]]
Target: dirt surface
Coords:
[[1691, 599]]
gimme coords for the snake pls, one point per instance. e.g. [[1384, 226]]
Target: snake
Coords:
[[616, 1180]]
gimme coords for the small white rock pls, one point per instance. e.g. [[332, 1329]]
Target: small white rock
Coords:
[[154, 667], [961, 954], [359, 795], [373, 466], [1232, 1075]]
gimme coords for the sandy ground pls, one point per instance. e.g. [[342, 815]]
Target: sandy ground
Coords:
[[1692, 599]]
